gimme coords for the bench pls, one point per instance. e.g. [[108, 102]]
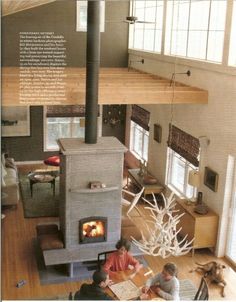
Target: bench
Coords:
[[61, 255]]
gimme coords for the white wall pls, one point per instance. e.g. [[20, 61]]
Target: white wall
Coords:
[[216, 120]]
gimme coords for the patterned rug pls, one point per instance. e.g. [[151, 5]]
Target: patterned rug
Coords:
[[43, 203], [187, 290]]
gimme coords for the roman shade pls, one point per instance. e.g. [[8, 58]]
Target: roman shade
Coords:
[[184, 144], [140, 116], [65, 111]]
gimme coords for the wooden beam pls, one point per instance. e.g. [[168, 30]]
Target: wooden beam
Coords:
[[116, 86]]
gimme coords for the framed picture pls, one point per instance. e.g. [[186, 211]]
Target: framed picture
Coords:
[[211, 179], [15, 121], [157, 133]]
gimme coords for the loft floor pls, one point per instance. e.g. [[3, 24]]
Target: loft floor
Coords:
[[18, 260]]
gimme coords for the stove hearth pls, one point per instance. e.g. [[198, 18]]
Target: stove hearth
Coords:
[[93, 229]]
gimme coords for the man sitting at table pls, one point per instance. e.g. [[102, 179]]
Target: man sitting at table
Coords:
[[94, 291], [121, 259], [165, 284]]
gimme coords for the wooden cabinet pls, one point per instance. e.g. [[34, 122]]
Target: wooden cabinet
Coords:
[[201, 227]]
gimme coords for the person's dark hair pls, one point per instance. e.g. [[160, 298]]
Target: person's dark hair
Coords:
[[123, 243], [99, 276], [171, 268]]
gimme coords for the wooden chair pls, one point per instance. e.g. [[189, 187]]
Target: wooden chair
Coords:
[[133, 202], [102, 257], [202, 293]]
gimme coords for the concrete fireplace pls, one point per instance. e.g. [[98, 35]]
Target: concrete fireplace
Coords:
[[90, 216]]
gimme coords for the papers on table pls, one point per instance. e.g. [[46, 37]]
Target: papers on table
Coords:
[[125, 290]]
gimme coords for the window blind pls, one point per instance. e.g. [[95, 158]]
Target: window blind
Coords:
[[140, 116], [65, 111], [184, 144]]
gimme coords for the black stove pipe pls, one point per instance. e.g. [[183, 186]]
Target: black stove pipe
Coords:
[[92, 71]]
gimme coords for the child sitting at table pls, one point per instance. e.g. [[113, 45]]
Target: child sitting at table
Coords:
[[165, 284], [121, 259]]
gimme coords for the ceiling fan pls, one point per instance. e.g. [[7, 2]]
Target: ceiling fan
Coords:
[[133, 19]]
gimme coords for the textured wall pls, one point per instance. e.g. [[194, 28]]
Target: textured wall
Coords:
[[60, 17], [29, 147], [118, 129], [216, 120]]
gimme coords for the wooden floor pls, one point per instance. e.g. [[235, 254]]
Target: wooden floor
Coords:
[[18, 262]]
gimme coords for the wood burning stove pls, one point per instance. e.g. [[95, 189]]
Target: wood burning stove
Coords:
[[93, 229]]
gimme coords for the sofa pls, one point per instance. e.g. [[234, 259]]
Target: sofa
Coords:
[[10, 182]]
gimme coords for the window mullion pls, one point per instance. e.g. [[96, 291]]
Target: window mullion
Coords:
[[208, 29], [188, 28], [144, 24], [143, 147], [228, 28], [171, 36], [163, 31], [155, 28], [186, 168]]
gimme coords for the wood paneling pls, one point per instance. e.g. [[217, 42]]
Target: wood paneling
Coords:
[[116, 86]]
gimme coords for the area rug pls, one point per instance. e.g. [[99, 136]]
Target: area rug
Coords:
[[187, 290], [55, 274], [43, 203]]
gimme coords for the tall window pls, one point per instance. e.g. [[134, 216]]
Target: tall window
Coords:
[[62, 121], [231, 189], [183, 157], [147, 36], [139, 141], [62, 127], [232, 49], [179, 169], [81, 14], [195, 29], [139, 132]]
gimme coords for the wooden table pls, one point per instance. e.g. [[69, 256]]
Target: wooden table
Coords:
[[139, 280], [138, 180]]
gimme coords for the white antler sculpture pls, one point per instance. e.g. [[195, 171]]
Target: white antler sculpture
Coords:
[[162, 231]]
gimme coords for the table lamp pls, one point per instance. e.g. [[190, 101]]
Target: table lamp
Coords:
[[194, 181]]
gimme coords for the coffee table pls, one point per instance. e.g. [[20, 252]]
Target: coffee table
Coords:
[[42, 177]]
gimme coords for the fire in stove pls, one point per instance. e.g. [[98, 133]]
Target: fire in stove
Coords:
[[93, 229]]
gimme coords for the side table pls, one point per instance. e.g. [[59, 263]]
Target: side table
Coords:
[[138, 180], [41, 177]]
